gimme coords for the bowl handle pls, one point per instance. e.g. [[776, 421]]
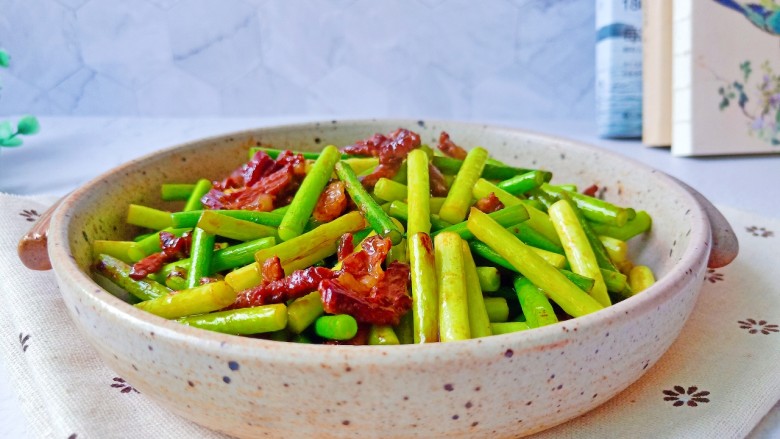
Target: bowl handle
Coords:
[[33, 247], [725, 245]]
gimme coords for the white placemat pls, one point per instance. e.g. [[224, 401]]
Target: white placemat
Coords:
[[717, 380]]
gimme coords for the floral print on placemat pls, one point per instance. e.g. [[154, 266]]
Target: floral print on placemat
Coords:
[[30, 214], [23, 339], [694, 396], [761, 232], [691, 397], [754, 326], [120, 383], [713, 276]]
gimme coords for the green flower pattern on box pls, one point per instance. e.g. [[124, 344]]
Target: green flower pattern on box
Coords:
[[759, 100]]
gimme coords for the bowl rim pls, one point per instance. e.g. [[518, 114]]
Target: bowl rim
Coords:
[[66, 269]]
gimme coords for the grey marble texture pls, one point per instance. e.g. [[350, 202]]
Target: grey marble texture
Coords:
[[457, 59]]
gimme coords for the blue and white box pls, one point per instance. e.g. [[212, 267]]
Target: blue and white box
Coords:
[[619, 68]]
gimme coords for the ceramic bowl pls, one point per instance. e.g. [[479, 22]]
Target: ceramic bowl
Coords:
[[500, 386]]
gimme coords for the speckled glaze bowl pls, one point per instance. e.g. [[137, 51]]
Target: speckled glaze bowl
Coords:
[[501, 386]]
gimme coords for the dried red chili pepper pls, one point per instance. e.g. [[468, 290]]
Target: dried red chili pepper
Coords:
[[399, 143], [376, 247], [272, 269], [365, 266], [346, 246], [369, 146], [391, 150], [173, 245], [384, 304], [591, 190], [259, 196], [436, 181], [297, 284], [248, 173], [296, 161], [173, 248], [260, 184], [365, 291], [449, 148], [332, 202], [383, 170], [148, 265], [489, 204]]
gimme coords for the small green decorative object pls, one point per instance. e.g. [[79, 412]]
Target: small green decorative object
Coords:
[[26, 126]]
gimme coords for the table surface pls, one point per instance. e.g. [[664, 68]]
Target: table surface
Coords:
[[72, 150]]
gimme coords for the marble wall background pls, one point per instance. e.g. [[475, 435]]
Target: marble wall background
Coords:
[[490, 59]]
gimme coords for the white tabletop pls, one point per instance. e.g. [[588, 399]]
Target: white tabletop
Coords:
[[70, 151]]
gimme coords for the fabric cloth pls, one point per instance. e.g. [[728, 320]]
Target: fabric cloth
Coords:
[[717, 380]]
